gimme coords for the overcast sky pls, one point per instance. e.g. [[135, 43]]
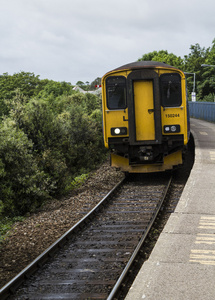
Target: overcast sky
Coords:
[[72, 40]]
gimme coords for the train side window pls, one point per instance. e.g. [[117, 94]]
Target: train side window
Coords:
[[116, 92], [170, 84]]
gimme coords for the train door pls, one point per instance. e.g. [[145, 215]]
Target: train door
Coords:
[[144, 108]]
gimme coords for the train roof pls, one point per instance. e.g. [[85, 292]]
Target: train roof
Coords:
[[137, 65], [144, 64]]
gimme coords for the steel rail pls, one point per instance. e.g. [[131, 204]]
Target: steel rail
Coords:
[[137, 249], [13, 285]]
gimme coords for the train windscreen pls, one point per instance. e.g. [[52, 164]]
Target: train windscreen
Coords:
[[170, 90], [116, 92]]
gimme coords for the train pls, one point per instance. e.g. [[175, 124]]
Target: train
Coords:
[[145, 116]]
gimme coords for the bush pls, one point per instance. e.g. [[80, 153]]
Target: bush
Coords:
[[44, 145], [209, 98], [23, 186], [81, 144]]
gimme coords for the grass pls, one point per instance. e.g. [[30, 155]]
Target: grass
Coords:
[[78, 181], [6, 224]]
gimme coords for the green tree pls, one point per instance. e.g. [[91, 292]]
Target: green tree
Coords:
[[207, 85], [164, 56], [95, 82], [193, 62], [26, 82], [54, 89], [29, 86], [81, 84]]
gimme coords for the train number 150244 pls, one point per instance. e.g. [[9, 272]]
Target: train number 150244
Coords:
[[172, 115]]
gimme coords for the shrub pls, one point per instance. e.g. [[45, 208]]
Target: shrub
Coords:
[[44, 147], [23, 186], [81, 139], [209, 98]]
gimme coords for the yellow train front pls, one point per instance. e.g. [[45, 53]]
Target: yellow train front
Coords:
[[145, 116]]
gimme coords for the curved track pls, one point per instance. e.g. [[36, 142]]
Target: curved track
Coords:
[[96, 253]]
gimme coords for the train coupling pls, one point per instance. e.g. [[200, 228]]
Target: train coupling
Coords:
[[145, 153]]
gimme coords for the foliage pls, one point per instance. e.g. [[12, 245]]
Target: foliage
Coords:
[[207, 80], [209, 98], [94, 83], [25, 82], [46, 141], [77, 182], [54, 89], [193, 62], [6, 224], [164, 56], [23, 185], [29, 85]]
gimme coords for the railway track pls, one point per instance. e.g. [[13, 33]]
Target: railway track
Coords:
[[91, 260]]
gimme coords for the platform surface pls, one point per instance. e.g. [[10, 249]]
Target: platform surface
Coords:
[[182, 263]]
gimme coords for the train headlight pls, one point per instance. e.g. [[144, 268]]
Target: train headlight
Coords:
[[119, 131], [172, 129]]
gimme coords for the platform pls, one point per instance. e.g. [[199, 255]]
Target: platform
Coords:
[[182, 263]]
